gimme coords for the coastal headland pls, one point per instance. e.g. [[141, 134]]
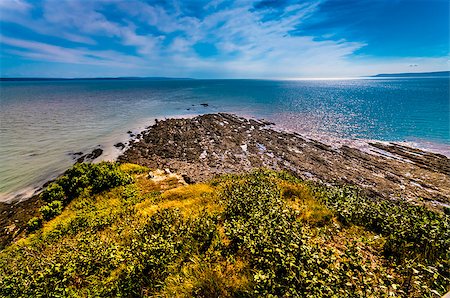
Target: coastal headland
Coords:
[[222, 206], [206, 146]]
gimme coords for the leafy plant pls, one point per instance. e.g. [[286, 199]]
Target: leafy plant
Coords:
[[417, 239], [93, 178], [261, 234], [51, 209], [53, 192], [34, 224]]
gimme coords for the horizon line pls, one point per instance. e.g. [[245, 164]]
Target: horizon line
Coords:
[[382, 75]]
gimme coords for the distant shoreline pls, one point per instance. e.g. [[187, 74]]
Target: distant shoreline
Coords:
[[414, 74], [435, 74]]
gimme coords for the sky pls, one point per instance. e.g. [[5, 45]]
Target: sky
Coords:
[[222, 39]]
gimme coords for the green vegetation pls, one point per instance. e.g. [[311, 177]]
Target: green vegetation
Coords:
[[51, 209], [34, 224], [82, 177], [111, 230]]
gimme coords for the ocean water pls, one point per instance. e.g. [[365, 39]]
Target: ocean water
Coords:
[[44, 122]]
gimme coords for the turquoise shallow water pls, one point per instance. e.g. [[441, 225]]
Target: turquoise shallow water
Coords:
[[42, 122]]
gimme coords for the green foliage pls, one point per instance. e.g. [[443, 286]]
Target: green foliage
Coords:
[[262, 228], [53, 192], [103, 268], [447, 210], [51, 209], [252, 240], [96, 177], [34, 224], [106, 175], [417, 239], [93, 178]]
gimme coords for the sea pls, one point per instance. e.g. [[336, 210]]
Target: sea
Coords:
[[43, 123]]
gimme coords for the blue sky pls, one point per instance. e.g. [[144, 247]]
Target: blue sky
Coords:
[[222, 39]]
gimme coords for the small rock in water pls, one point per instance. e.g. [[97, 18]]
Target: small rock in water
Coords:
[[120, 145], [95, 153], [204, 104], [91, 156], [75, 155]]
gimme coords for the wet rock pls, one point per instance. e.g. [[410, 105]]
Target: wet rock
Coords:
[[95, 153], [213, 144], [120, 145], [427, 160], [91, 156], [76, 155], [14, 218], [204, 104]]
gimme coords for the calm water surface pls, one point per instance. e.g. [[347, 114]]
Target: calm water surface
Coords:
[[43, 123]]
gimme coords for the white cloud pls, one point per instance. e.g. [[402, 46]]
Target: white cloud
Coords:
[[249, 42], [12, 6], [46, 52]]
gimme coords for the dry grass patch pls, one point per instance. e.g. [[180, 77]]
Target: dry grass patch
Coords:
[[201, 278], [189, 199], [300, 198], [188, 191], [131, 168]]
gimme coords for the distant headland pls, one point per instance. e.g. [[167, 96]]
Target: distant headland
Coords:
[[415, 74]]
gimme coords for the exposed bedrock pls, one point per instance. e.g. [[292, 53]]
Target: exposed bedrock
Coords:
[[212, 144]]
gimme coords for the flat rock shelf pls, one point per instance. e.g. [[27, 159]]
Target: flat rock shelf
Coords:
[[202, 147]]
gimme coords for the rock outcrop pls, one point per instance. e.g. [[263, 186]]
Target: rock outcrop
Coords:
[[205, 146]]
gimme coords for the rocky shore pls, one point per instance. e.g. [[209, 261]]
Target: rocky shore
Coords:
[[202, 147], [205, 146]]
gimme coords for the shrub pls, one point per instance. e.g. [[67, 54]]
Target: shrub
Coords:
[[54, 192], [417, 239], [447, 210], [93, 178], [105, 175], [34, 224], [263, 228], [51, 209], [258, 244]]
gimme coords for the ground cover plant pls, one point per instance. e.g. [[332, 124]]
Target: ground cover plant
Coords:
[[117, 231]]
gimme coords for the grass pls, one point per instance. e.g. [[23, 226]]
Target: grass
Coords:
[[258, 234]]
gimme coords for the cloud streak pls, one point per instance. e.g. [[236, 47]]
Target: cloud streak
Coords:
[[184, 38]]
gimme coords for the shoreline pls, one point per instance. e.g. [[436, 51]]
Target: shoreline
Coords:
[[110, 152], [204, 146]]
